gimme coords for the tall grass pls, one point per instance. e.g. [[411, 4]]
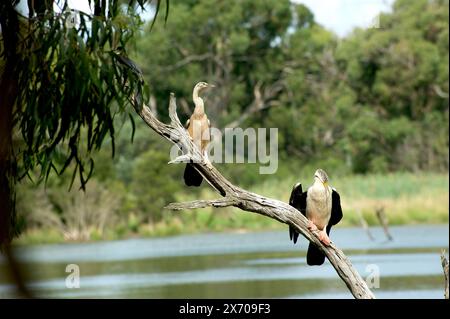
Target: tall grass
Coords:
[[407, 198]]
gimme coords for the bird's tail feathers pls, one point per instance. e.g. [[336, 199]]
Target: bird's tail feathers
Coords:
[[191, 176], [314, 257], [293, 234]]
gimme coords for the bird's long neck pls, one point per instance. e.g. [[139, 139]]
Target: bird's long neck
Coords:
[[318, 186], [320, 195], [198, 101], [317, 183]]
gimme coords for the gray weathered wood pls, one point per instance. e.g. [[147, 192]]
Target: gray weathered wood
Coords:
[[248, 201], [444, 262]]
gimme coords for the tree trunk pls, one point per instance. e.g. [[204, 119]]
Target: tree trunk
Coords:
[[8, 174], [8, 93]]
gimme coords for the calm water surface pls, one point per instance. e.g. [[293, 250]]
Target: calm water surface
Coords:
[[250, 265]]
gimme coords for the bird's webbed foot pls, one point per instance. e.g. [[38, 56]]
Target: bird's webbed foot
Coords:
[[311, 225], [323, 237]]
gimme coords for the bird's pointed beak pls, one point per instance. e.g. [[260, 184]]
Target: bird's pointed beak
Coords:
[[211, 85]]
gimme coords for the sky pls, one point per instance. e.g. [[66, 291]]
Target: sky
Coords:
[[339, 16]]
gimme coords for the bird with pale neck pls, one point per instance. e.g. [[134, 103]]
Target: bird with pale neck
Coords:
[[198, 128], [321, 204]]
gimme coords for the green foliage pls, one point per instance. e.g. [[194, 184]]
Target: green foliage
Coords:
[[375, 102], [62, 83], [44, 72], [199, 44], [72, 82], [363, 101], [397, 71], [407, 199], [154, 182]]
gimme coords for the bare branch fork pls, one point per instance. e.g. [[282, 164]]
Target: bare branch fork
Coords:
[[245, 200]]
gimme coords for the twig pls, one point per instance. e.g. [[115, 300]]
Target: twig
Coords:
[[248, 201], [260, 102], [364, 225], [384, 222], [187, 60]]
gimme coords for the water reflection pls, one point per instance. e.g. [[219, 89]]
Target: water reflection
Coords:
[[254, 265]]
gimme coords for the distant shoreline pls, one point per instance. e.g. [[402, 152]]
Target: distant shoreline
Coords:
[[29, 238]]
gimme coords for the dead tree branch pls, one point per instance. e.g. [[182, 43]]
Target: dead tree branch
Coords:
[[224, 202], [263, 99], [187, 60], [245, 200], [444, 262], [364, 225], [381, 215]]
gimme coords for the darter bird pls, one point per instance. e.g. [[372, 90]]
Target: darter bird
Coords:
[[198, 127], [321, 204]]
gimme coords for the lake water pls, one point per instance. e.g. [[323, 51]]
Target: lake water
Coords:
[[235, 265]]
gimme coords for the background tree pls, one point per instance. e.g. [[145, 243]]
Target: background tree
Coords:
[[399, 76], [364, 103], [61, 87]]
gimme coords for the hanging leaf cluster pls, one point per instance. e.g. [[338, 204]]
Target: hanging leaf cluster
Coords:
[[74, 78]]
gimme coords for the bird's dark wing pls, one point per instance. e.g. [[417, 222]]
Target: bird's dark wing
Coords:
[[336, 210], [298, 201], [298, 198]]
